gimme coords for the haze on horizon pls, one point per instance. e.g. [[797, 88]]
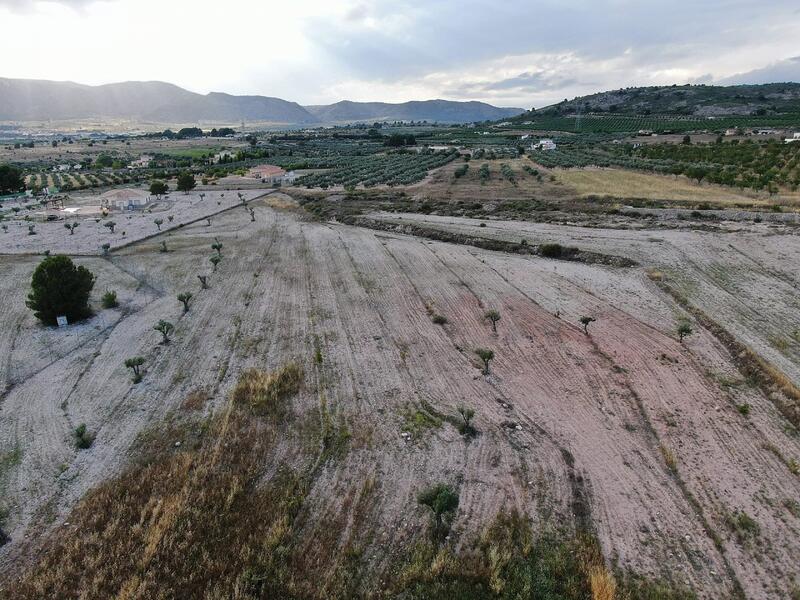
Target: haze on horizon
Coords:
[[514, 53]]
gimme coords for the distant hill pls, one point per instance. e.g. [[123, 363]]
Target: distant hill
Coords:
[[697, 100], [442, 111], [154, 101], [33, 100]]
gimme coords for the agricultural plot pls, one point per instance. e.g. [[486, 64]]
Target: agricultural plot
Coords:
[[596, 123], [622, 430], [92, 233], [382, 169]]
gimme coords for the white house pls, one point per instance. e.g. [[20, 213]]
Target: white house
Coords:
[[794, 138], [124, 198], [544, 144]]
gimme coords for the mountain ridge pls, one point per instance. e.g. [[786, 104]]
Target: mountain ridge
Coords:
[[162, 102]]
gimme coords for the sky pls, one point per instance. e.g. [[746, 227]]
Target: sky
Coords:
[[520, 53]]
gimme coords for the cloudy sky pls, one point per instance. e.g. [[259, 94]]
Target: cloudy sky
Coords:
[[508, 52]]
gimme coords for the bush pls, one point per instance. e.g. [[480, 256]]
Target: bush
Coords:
[[439, 319], [58, 288], [83, 439], [551, 250], [109, 299]]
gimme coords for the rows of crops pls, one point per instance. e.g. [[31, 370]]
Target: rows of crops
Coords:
[[380, 169], [659, 124], [77, 181]]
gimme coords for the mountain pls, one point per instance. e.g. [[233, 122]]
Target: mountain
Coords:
[[158, 102], [443, 111], [699, 100]]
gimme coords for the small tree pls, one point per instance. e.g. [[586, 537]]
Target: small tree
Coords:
[[158, 188], [485, 355], [184, 298], [215, 261], [203, 282], [208, 222], [58, 288], [494, 317], [163, 247], [158, 223], [186, 182], [110, 225], [134, 363], [202, 196], [165, 328], [217, 245], [252, 214], [72, 227], [585, 322], [443, 502], [31, 229], [106, 247], [465, 427], [684, 329], [109, 299], [170, 218]]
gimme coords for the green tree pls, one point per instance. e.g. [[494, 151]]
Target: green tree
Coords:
[[109, 299], [465, 427], [58, 288], [184, 299], [110, 225], [186, 182], [165, 328], [71, 227], [485, 355], [217, 245], [494, 317], [158, 223], [443, 502], [158, 188], [11, 180], [134, 363], [684, 329], [215, 261]]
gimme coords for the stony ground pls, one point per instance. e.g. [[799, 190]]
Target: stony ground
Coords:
[[643, 426]]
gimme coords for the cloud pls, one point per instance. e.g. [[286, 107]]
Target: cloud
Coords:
[[31, 6], [780, 71]]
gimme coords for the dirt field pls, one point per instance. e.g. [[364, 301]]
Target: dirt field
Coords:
[[629, 184], [643, 428]]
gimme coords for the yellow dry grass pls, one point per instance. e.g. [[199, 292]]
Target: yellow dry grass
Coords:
[[603, 584], [620, 183]]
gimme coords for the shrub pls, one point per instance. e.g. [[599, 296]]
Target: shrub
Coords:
[[58, 287], [83, 439], [744, 409], [265, 392], [109, 299], [439, 319], [551, 250]]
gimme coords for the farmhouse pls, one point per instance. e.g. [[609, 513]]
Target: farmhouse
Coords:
[[268, 173], [142, 162], [124, 199], [544, 144]]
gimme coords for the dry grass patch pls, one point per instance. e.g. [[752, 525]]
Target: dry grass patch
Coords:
[[265, 392], [630, 184]]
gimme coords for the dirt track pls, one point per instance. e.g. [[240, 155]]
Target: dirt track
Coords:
[[607, 401]]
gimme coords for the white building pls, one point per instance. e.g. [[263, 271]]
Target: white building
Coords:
[[544, 144], [794, 138], [124, 199], [142, 162]]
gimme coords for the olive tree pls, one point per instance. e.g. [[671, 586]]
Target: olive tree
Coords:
[[165, 328], [494, 317], [684, 329], [134, 363], [442, 500], [184, 299], [158, 223], [215, 261], [72, 227], [110, 225], [485, 355]]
